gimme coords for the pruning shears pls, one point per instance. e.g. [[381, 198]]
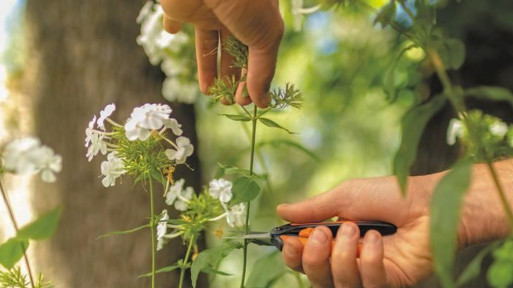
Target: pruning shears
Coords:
[[278, 235]]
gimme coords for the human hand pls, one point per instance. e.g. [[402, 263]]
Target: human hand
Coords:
[[257, 24], [401, 259]]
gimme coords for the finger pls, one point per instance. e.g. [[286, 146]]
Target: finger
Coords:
[[242, 96], [316, 257], [261, 66], [292, 253], [170, 25], [372, 268], [315, 209], [206, 55], [344, 267]]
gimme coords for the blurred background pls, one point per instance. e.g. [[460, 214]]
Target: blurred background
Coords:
[[63, 61]]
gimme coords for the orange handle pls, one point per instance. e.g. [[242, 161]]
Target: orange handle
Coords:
[[303, 241]]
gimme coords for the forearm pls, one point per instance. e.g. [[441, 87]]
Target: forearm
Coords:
[[483, 215]]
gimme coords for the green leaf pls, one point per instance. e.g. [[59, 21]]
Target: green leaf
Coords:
[[278, 142], [234, 117], [390, 85], [43, 227], [499, 275], [157, 175], [490, 93], [207, 260], [386, 14], [266, 270], [270, 123], [452, 51], [124, 231], [474, 267], [413, 124], [12, 251], [244, 189], [161, 270], [445, 210]]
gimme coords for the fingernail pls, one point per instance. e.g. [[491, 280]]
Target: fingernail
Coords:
[[348, 231], [372, 238], [290, 251], [318, 237]]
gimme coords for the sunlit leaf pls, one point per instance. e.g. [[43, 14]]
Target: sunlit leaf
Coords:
[[161, 270], [499, 275], [12, 251], [390, 88], [452, 51], [386, 14], [474, 267], [445, 210], [266, 270], [235, 117], [43, 227], [279, 142], [270, 123], [244, 189], [229, 170], [490, 93], [413, 124], [207, 260], [115, 233]]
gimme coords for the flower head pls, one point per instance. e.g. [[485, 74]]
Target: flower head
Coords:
[[146, 118], [104, 114], [27, 156], [221, 189], [236, 215], [499, 128], [174, 126], [179, 196], [112, 169], [97, 145], [183, 151]]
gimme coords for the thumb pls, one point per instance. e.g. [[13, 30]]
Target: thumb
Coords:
[[315, 209]]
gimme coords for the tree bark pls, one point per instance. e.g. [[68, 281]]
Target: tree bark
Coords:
[[83, 55]]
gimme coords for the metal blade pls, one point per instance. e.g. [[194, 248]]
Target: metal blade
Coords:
[[259, 238]]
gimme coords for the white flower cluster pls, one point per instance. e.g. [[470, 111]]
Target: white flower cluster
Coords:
[[457, 130], [222, 189], [165, 49], [27, 156], [139, 127], [179, 196]]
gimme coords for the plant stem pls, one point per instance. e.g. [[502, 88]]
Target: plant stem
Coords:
[[15, 225], [185, 261], [248, 204], [152, 229]]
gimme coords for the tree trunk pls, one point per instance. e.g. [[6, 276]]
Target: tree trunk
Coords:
[[83, 55]]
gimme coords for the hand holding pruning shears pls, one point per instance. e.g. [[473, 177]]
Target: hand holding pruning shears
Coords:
[[400, 259]]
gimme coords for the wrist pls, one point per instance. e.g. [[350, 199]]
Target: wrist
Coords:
[[483, 218]]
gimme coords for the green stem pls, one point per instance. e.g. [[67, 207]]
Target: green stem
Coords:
[[16, 228], [299, 280], [248, 204], [185, 261], [152, 229]]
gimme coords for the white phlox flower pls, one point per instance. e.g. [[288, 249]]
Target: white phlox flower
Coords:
[[183, 150], [162, 229], [178, 196], [236, 215], [112, 169], [454, 131], [49, 163], [26, 156], [97, 144], [90, 131], [104, 114], [144, 119], [174, 126], [221, 189], [499, 129], [174, 89]]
